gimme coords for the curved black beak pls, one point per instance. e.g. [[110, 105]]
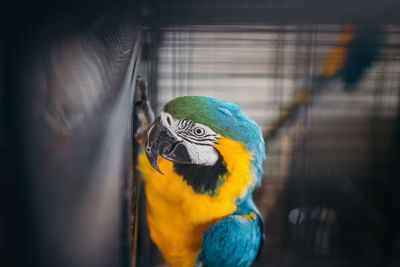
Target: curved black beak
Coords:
[[161, 142]]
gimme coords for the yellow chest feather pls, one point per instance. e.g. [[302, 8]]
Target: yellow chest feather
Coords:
[[178, 216]]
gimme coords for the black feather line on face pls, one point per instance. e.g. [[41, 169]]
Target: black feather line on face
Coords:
[[193, 140], [204, 179]]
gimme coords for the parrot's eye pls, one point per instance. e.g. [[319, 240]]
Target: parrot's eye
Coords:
[[168, 121], [199, 131]]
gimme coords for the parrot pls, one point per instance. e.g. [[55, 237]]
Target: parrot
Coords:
[[202, 160], [358, 48]]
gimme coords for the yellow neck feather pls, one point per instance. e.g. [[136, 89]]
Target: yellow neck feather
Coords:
[[178, 216]]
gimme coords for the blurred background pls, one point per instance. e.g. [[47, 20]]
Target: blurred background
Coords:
[[321, 78]]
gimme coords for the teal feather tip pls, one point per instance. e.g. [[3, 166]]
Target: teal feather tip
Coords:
[[226, 119]]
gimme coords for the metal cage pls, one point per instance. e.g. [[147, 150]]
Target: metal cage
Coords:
[[70, 193]]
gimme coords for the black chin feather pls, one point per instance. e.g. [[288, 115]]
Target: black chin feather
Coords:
[[203, 179]]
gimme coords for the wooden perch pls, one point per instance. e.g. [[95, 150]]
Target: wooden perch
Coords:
[[288, 113]]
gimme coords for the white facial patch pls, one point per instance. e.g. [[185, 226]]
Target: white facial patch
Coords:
[[202, 155], [198, 138]]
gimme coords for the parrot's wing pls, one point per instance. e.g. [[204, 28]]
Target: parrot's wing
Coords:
[[233, 241]]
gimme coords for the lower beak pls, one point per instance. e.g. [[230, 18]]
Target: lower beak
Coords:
[[161, 142]]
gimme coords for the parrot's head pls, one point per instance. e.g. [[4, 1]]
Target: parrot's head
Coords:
[[189, 128]]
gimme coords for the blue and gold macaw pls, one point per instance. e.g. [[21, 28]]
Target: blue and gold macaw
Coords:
[[204, 158], [357, 49]]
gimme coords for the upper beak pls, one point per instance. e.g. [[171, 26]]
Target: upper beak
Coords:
[[161, 142]]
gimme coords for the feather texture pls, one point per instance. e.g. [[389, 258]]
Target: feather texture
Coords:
[[178, 216], [226, 119], [233, 241], [206, 214]]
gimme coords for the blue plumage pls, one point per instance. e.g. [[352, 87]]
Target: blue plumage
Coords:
[[235, 240], [236, 125], [359, 54], [362, 52]]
